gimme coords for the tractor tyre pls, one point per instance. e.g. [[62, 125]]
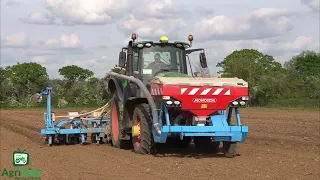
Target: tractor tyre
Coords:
[[229, 149], [116, 140], [144, 143]]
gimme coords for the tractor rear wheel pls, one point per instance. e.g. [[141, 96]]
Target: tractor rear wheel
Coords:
[[143, 143], [116, 140]]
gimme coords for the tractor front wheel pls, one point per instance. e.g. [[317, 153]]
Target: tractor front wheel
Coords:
[[142, 140]]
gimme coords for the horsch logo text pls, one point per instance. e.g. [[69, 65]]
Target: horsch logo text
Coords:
[[204, 100]]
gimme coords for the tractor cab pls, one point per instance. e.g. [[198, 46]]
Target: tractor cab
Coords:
[[146, 59]]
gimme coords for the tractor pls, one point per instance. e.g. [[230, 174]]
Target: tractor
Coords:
[[155, 101]]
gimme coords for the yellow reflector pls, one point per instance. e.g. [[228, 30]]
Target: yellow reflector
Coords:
[[164, 39], [135, 130], [203, 106]]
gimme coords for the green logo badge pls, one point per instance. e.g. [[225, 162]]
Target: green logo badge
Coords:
[[20, 158]]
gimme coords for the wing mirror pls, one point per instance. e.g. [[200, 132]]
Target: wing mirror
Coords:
[[203, 60], [122, 59]]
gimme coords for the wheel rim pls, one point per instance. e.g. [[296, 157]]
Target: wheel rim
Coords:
[[115, 122], [137, 140]]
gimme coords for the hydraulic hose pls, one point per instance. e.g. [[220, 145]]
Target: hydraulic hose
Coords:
[[145, 91]]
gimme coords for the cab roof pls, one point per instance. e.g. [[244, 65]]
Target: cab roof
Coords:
[[162, 41]]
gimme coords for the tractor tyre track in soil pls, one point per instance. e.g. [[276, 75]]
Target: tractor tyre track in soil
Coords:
[[19, 124], [280, 145], [25, 130]]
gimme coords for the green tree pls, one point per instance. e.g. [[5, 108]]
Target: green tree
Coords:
[[306, 64], [27, 78], [3, 74], [25, 73], [304, 73], [5, 88], [73, 73], [254, 67], [248, 64]]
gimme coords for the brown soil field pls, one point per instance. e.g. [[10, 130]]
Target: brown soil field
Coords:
[[281, 144]]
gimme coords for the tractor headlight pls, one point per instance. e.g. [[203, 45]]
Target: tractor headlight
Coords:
[[148, 44], [235, 103], [176, 102], [140, 45], [169, 102], [240, 102]]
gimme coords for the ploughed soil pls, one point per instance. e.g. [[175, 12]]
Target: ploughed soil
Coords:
[[281, 144]]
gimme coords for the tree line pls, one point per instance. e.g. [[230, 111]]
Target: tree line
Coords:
[[78, 87], [296, 84]]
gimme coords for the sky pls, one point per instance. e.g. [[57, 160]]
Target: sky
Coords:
[[90, 34]]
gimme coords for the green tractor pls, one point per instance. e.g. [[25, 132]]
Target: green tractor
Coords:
[[154, 100], [21, 159]]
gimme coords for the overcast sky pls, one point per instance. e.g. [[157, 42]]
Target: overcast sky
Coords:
[[90, 34]]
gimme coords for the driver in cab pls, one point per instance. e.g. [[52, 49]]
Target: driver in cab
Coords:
[[157, 64]]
